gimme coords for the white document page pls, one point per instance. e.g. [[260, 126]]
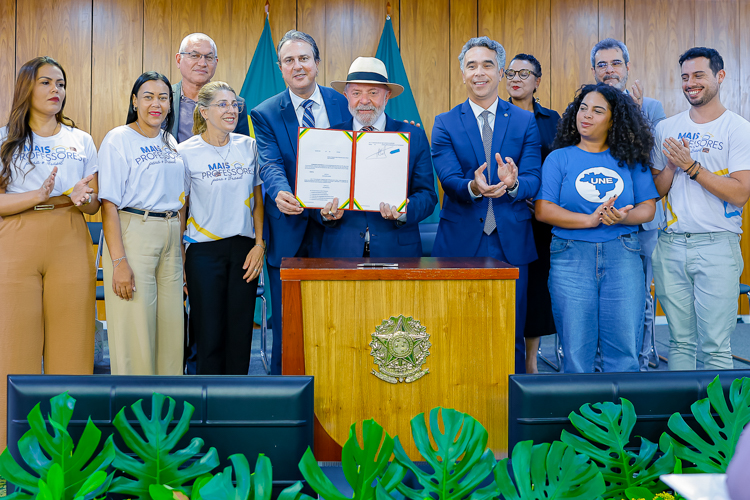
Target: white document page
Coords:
[[324, 165], [382, 170]]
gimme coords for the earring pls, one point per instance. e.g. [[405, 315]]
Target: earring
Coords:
[[135, 108]]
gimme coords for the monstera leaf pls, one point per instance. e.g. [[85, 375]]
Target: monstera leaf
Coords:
[[42, 450], [362, 467], [545, 472], [459, 464], [54, 487], [256, 486], [711, 456], [157, 465], [606, 429]]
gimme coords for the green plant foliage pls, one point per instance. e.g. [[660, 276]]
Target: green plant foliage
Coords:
[[545, 472], [256, 486], [361, 465], [460, 463], [606, 429], [711, 456], [54, 487], [639, 492], [42, 450], [157, 464]]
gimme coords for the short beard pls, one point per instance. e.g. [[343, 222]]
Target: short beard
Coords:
[[621, 84], [367, 121], [708, 95]]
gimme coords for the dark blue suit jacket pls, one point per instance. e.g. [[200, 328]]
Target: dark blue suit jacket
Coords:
[[388, 238], [276, 125], [457, 151]]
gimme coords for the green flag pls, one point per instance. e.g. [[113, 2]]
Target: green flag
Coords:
[[263, 78], [404, 107]]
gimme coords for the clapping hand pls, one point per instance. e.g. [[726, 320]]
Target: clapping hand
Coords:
[[331, 211], [607, 214], [637, 93], [47, 186], [480, 187], [81, 194], [678, 152], [506, 172]]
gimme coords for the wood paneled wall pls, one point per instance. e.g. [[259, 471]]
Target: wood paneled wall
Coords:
[[105, 44]]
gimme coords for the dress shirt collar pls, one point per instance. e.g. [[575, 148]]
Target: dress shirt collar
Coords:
[[316, 97], [379, 124], [477, 109]]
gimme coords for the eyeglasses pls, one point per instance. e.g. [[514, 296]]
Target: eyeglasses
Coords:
[[615, 64], [195, 57], [226, 107], [522, 74]]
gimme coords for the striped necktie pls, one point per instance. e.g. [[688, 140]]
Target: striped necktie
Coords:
[[489, 221], [368, 128], [308, 120]]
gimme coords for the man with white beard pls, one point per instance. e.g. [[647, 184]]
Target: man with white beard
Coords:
[[387, 233]]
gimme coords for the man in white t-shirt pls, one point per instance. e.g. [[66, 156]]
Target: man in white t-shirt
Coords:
[[702, 164]]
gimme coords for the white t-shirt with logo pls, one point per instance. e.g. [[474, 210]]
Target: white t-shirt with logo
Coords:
[[71, 150], [140, 172], [220, 182], [722, 146]]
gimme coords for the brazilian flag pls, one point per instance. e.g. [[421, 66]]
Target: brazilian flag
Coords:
[[404, 107], [263, 78]]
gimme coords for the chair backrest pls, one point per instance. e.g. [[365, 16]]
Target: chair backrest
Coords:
[[428, 232], [95, 229]]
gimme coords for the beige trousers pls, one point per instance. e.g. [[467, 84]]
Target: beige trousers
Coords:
[[47, 297], [146, 333]]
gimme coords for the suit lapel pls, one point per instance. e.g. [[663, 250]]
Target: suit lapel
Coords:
[[332, 108], [472, 131], [502, 118], [290, 120]]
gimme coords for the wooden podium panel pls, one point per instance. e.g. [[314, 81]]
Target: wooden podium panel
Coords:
[[331, 310]]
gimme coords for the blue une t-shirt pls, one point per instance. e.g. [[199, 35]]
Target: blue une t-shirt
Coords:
[[580, 181]]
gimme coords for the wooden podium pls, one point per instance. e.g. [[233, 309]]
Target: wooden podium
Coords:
[[331, 309]]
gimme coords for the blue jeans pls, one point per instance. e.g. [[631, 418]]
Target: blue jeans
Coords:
[[648, 244], [598, 298], [697, 278]]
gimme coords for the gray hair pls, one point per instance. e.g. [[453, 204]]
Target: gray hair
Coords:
[[302, 37], [198, 36], [610, 43], [483, 41], [206, 95]]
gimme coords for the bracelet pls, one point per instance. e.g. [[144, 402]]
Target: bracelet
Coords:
[[695, 174], [687, 170], [116, 262], [262, 246]]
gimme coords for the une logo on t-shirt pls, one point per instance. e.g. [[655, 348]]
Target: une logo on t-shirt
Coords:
[[599, 184]]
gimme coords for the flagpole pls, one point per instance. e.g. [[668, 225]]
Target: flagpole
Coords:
[[267, 6], [388, 11]]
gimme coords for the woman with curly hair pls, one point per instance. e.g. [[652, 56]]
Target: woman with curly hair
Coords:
[[596, 189]]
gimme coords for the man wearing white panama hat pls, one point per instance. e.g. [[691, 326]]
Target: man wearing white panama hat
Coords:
[[387, 233]]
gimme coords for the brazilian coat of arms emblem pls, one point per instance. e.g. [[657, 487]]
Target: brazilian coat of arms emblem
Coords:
[[400, 346]]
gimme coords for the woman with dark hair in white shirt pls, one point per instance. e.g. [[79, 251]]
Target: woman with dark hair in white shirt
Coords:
[[141, 181]]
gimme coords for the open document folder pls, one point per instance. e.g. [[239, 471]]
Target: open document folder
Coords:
[[361, 169]]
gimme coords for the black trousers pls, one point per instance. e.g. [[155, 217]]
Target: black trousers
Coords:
[[222, 305]]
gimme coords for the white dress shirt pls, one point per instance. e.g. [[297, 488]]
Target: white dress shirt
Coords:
[[318, 108], [478, 110]]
